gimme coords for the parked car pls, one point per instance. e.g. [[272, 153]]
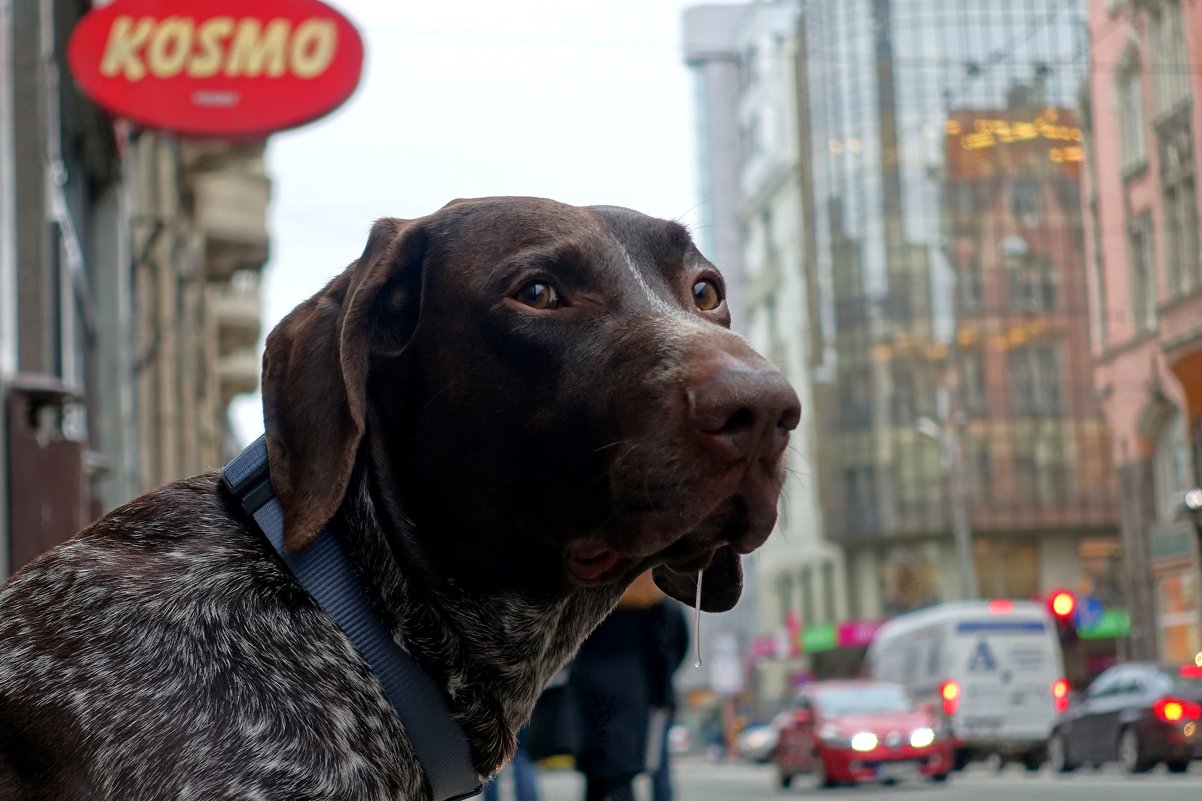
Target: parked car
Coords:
[[993, 669], [1138, 713], [757, 742], [859, 730]]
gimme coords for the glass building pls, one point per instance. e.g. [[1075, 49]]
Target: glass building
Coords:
[[946, 248]]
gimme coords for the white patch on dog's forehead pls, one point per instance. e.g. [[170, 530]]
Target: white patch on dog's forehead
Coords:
[[655, 300]]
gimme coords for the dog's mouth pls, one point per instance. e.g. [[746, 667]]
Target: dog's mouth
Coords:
[[594, 561]]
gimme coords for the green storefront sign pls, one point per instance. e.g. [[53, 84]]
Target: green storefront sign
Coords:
[[1112, 623], [818, 638]]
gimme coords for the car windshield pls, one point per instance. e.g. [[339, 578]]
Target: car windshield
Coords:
[[855, 700]]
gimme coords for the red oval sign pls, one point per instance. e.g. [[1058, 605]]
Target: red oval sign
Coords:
[[219, 68]]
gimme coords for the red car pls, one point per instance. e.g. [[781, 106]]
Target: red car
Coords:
[[856, 731]]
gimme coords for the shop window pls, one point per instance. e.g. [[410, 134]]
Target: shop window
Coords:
[[1171, 474], [1177, 616], [910, 580], [1007, 568]]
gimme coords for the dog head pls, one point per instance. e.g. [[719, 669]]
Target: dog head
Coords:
[[551, 394]]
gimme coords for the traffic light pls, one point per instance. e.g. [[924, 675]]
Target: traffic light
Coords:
[[1062, 603], [1063, 606]]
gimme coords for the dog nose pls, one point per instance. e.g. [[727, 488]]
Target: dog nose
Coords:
[[744, 411]]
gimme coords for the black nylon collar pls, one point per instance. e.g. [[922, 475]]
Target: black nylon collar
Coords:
[[324, 570]]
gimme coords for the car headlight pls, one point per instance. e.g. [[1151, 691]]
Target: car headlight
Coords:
[[863, 741], [833, 736], [922, 737], [759, 738]]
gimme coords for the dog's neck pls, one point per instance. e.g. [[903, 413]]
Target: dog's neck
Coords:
[[494, 655]]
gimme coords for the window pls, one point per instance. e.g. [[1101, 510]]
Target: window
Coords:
[[807, 597], [968, 289], [980, 469], [1172, 73], [1053, 465], [1007, 567], [918, 477], [1101, 313], [1143, 282], [1180, 205], [905, 407], [1130, 102], [1026, 201], [855, 392], [784, 592], [828, 591], [749, 137], [1035, 376], [1032, 283], [1181, 236], [1044, 463], [973, 400], [747, 68], [859, 498], [1171, 473]]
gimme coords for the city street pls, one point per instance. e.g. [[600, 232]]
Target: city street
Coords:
[[701, 781]]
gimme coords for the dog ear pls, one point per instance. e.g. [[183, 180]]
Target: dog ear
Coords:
[[315, 375], [720, 588]]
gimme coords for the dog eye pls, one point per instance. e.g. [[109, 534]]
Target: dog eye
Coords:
[[707, 295], [538, 295]]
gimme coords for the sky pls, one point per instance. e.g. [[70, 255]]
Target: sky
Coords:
[[583, 102]]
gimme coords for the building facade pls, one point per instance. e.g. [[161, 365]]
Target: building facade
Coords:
[[129, 298], [949, 258], [801, 575], [800, 588], [752, 181], [1144, 104]]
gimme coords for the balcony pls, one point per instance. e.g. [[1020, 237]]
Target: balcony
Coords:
[[237, 373], [229, 207], [236, 308]]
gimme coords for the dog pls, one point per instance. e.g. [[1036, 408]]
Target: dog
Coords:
[[505, 411]]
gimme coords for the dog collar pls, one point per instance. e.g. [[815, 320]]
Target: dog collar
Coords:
[[325, 571]]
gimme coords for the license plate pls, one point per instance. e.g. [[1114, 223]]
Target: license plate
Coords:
[[981, 725], [897, 770]]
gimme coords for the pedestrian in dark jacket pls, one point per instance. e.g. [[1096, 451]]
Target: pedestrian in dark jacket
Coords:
[[669, 644], [619, 675]]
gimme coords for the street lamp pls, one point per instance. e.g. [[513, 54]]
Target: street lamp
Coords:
[[952, 462]]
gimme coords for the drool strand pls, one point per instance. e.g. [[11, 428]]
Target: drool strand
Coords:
[[697, 620]]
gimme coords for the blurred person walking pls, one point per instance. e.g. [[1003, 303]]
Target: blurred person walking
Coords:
[[621, 678]]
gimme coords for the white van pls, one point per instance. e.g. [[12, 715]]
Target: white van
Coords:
[[993, 669]]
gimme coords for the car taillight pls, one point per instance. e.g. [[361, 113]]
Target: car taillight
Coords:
[[1060, 694], [949, 692], [1172, 710]]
